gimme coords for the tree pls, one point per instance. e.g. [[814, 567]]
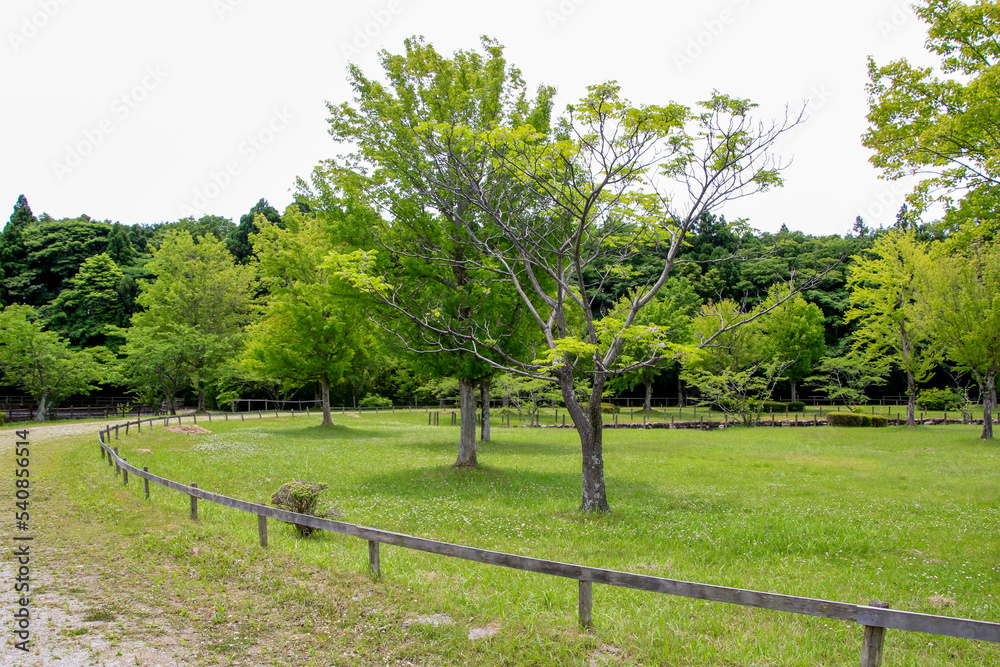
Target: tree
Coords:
[[54, 252], [313, 321], [846, 379], [220, 227], [90, 303], [13, 254], [429, 265], [240, 244], [535, 206], [671, 313], [960, 305], [43, 364], [883, 286], [737, 369], [944, 123], [156, 367], [195, 309], [794, 333], [120, 248]]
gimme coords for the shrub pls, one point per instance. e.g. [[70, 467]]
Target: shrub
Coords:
[[854, 419], [939, 399], [375, 401], [606, 408], [300, 497], [723, 404], [796, 406]]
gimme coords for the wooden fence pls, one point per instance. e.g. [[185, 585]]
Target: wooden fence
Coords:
[[875, 617]]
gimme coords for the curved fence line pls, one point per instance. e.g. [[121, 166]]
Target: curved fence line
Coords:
[[875, 617]]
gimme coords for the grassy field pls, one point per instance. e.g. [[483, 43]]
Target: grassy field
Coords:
[[906, 516]]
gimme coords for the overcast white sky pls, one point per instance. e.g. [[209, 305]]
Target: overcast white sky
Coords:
[[143, 112]]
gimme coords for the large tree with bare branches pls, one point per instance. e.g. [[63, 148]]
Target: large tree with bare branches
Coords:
[[529, 205]]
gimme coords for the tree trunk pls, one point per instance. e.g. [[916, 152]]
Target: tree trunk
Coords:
[[168, 395], [484, 399], [201, 397], [911, 403], [467, 409], [648, 403], [589, 426], [988, 390], [324, 390], [43, 406], [795, 389], [680, 390]]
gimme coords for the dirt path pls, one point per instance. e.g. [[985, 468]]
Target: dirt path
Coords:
[[69, 625]]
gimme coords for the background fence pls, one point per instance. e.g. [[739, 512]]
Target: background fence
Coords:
[[875, 617]]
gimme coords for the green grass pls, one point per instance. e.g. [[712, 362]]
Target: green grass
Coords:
[[853, 515]]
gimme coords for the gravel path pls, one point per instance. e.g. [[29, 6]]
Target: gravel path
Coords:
[[65, 628], [53, 431]]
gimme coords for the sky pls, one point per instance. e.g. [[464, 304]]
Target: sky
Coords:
[[143, 112]]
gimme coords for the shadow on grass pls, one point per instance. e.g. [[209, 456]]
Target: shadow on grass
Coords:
[[333, 432], [448, 444], [501, 485]]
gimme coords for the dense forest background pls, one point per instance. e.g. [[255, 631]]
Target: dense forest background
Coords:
[[83, 277]]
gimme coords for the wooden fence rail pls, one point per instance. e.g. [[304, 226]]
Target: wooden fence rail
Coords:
[[874, 617]]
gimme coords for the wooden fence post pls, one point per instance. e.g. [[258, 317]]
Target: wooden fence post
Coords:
[[125, 474], [243, 417], [374, 564], [194, 504], [117, 469], [871, 647], [586, 603], [116, 431], [262, 529], [145, 482], [101, 447]]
